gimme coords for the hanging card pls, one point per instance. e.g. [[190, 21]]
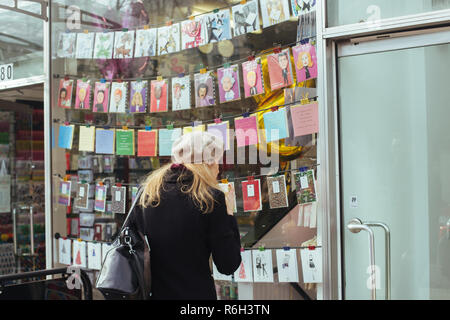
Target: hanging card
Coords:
[[138, 96], [287, 265], [218, 25], [159, 96], [64, 193], [277, 192], [311, 265], [65, 94], [198, 127], [219, 276], [222, 131], [245, 271], [106, 247], [300, 7], [104, 141], [86, 175], [194, 33], [145, 43], [73, 227], [104, 45], [118, 199], [275, 125], [87, 234], [166, 138], [125, 142], [87, 219], [305, 119], [86, 139], [181, 93], [66, 45], [274, 12], [94, 255], [123, 44], [246, 130], [65, 137], [251, 195], [100, 198], [65, 251], [147, 143], [81, 199], [280, 69], [204, 89], [101, 97], [169, 39], [253, 77], [229, 88], [262, 266], [225, 187], [85, 45], [305, 186], [79, 253], [118, 101], [305, 60], [245, 17], [83, 95]]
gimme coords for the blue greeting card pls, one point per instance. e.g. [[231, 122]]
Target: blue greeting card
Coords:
[[104, 141], [65, 137], [166, 139], [275, 125]]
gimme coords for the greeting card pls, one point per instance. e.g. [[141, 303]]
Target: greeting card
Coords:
[[85, 45], [277, 192], [287, 265], [118, 199], [194, 32], [73, 226], [65, 137], [87, 219], [118, 99], [221, 130], [64, 193], [166, 138], [138, 96], [220, 276], [251, 195], [87, 234], [86, 139], [280, 69], [305, 186], [218, 25], [100, 198], [104, 45], [274, 11], [159, 97], [81, 199], [145, 43], [65, 251], [147, 143], [229, 88], [101, 97], [181, 93], [245, 271], [246, 129], [305, 119], [94, 253], [125, 142], [311, 265], [229, 187], [123, 44], [204, 89], [305, 60], [262, 266], [196, 127], [253, 77], [245, 17], [104, 142], [275, 125], [65, 93], [300, 7], [83, 95], [169, 39], [79, 253], [85, 175], [66, 45]]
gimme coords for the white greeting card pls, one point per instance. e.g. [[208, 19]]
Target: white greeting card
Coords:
[[194, 32], [274, 12], [287, 265], [123, 44], [66, 45], [118, 101], [145, 43], [94, 255], [85, 45], [169, 39], [219, 276], [245, 17], [262, 266], [225, 189], [181, 93], [311, 265], [65, 252], [245, 271], [79, 253], [104, 45]]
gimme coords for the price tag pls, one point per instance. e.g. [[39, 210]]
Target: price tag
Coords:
[[276, 187], [6, 72], [118, 195], [250, 190], [304, 182], [81, 192]]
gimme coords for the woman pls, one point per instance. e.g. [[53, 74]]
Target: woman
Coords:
[[187, 219]]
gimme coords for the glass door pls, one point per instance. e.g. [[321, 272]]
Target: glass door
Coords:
[[394, 112]]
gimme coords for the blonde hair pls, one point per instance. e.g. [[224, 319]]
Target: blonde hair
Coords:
[[201, 190], [300, 57]]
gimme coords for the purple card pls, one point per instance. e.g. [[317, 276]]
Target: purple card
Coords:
[[138, 96], [229, 88], [222, 131]]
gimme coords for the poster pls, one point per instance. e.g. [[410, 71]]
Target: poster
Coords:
[[229, 88], [245, 17], [204, 89], [101, 97], [181, 93], [145, 43]]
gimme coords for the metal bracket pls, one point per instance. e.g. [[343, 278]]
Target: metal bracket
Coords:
[[15, 8]]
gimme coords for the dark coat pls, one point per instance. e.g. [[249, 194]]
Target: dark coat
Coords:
[[182, 240]]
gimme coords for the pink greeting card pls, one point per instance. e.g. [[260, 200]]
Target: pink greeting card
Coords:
[[253, 79], [229, 88], [101, 97], [246, 131], [65, 94], [305, 60], [158, 96], [305, 119], [280, 69], [83, 96]]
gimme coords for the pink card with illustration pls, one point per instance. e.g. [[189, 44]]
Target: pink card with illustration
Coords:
[[229, 88], [159, 96], [246, 131], [101, 97], [65, 94], [204, 89], [253, 78], [194, 32], [305, 60], [83, 96], [280, 69]]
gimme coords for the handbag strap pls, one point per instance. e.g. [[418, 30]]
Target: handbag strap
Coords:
[[139, 193]]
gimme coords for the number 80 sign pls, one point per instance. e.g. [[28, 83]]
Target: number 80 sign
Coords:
[[6, 72]]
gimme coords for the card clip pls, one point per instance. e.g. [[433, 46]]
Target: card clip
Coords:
[[86, 31], [243, 1], [84, 79], [68, 31], [251, 58], [242, 249], [66, 123], [66, 78], [102, 80], [119, 185], [286, 248], [246, 114], [125, 29], [169, 23], [146, 27], [66, 178], [106, 127], [83, 182], [217, 120], [170, 126], [124, 128], [226, 65], [250, 178], [277, 49], [203, 70], [105, 30], [311, 248], [159, 78], [224, 181], [191, 17], [181, 75], [139, 79], [148, 128], [275, 108], [216, 10], [303, 169], [261, 248]]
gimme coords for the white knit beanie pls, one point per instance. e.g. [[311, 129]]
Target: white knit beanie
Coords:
[[197, 147]]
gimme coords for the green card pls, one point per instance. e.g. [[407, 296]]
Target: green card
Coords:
[[125, 142]]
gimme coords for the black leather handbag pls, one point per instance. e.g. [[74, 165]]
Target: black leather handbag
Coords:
[[125, 272]]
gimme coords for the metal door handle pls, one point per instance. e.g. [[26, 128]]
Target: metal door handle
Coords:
[[14, 231], [355, 226]]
